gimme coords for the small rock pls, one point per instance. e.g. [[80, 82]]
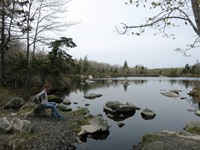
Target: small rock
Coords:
[[120, 124], [66, 102]]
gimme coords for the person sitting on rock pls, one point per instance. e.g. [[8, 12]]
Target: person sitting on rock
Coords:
[[44, 103]]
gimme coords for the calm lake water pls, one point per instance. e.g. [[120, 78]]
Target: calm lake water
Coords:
[[144, 92]]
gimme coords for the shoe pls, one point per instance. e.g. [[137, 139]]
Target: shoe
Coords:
[[61, 117]]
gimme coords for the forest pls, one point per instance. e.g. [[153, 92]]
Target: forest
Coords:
[[30, 57]]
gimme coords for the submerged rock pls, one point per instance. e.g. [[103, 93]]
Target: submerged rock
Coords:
[[120, 124]]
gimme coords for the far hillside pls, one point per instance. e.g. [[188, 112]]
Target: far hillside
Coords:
[[90, 67]]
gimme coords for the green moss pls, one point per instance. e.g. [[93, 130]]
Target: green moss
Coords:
[[195, 129], [76, 124], [81, 111], [149, 138]]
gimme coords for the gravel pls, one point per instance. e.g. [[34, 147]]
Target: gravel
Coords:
[[49, 134]]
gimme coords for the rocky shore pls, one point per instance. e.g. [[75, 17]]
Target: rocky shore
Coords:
[[46, 132], [25, 126], [49, 133], [52, 134], [169, 140]]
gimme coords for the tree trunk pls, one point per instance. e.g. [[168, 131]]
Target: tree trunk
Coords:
[[2, 46], [28, 73], [196, 11]]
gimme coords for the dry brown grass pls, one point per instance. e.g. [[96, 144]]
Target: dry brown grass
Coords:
[[7, 93]]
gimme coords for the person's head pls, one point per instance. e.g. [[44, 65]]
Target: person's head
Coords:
[[46, 86]]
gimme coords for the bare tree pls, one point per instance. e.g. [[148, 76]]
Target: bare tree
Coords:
[[169, 13], [50, 20], [8, 27], [42, 22]]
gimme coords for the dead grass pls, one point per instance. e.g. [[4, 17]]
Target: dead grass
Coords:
[[7, 93]]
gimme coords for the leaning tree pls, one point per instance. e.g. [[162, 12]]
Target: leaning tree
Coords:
[[169, 12]]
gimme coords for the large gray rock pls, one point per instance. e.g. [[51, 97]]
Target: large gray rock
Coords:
[[116, 106], [100, 122], [5, 126], [37, 112], [21, 125], [96, 124], [118, 111], [15, 102]]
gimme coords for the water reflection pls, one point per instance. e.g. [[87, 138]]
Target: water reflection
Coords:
[[106, 83], [125, 86], [96, 136], [119, 116], [171, 114], [114, 82], [145, 117]]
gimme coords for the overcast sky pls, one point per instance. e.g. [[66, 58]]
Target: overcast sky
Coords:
[[96, 37]]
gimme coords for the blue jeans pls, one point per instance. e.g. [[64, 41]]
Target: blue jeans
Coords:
[[52, 106]]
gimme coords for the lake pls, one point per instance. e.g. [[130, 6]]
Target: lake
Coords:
[[144, 92]]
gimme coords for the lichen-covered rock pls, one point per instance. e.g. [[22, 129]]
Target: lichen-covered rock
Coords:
[[5, 126], [21, 125], [15, 102], [192, 127], [82, 111], [120, 108]]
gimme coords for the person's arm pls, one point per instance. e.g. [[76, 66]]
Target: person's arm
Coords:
[[40, 96]]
